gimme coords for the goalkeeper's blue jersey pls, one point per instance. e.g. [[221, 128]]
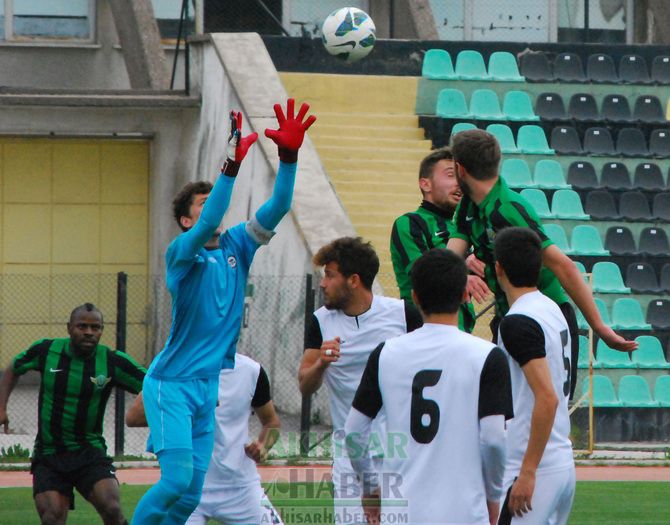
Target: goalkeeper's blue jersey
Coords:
[[207, 291]]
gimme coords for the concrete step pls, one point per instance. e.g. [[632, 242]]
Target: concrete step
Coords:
[[371, 199], [380, 177], [373, 217], [367, 186], [365, 153], [377, 132], [365, 120], [388, 206], [424, 146], [390, 166]]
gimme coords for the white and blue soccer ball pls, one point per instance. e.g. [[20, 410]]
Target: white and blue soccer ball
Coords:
[[349, 34]]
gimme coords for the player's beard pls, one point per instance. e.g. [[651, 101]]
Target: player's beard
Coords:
[[338, 300], [465, 188]]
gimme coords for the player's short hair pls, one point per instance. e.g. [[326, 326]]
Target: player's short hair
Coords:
[[478, 151], [438, 278], [429, 161], [353, 255], [181, 204], [519, 252], [86, 307]]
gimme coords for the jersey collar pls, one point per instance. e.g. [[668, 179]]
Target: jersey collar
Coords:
[[436, 210]]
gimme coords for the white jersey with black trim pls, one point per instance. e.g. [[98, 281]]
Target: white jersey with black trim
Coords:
[[535, 321], [359, 335]]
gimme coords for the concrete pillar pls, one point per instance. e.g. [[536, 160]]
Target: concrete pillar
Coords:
[[141, 44], [661, 13], [411, 20]]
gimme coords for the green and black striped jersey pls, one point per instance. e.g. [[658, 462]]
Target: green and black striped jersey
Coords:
[[478, 225], [74, 392], [413, 234]]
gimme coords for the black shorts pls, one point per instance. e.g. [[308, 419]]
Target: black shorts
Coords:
[[64, 471]]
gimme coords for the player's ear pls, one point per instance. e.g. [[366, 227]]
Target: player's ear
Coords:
[[425, 184], [186, 222], [499, 270]]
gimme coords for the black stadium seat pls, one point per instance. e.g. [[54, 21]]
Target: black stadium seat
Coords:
[[661, 207], [583, 106], [633, 70], [535, 66], [619, 241], [564, 139], [550, 106], [654, 241], [641, 278], [615, 176], [630, 142], [600, 68], [598, 141], [660, 69], [616, 109], [568, 68], [664, 281], [658, 313], [659, 143], [648, 177], [634, 206], [648, 109], [600, 205], [582, 175]]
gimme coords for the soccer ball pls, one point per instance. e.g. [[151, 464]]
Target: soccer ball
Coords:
[[349, 34]]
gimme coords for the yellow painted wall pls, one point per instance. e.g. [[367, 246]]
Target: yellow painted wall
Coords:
[[74, 212]]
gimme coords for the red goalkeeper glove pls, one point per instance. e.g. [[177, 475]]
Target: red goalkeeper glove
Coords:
[[237, 146], [291, 130]]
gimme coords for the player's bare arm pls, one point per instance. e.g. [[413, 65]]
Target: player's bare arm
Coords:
[[135, 416], [476, 287], [571, 280], [267, 437], [314, 363], [536, 372], [7, 384]]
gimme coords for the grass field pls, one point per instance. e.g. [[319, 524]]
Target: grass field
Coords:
[[611, 503]]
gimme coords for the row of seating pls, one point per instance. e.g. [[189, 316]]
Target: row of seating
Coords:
[[568, 67], [565, 204], [502, 66], [634, 392], [649, 354], [641, 278], [632, 206], [484, 105], [628, 314], [531, 139], [630, 142], [614, 108], [615, 176]]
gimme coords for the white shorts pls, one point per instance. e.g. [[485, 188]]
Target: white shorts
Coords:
[[235, 506], [551, 502]]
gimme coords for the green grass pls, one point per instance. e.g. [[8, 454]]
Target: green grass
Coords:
[[611, 503]]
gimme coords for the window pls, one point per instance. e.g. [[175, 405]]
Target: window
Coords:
[[52, 20], [167, 13]]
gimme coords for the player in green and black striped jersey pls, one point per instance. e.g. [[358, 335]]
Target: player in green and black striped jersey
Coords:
[[77, 377], [417, 232]]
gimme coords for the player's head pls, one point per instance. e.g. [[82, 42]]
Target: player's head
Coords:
[[437, 180], [85, 328], [187, 205], [518, 255], [438, 279], [476, 155], [350, 266]]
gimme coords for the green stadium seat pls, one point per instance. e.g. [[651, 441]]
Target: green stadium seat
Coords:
[[566, 204], [609, 358], [503, 67], [549, 175], [662, 391], [532, 140], [484, 105], [538, 200], [503, 133], [627, 314], [451, 104], [462, 126], [602, 310], [557, 234], [516, 173], [437, 65], [649, 353], [607, 278], [583, 360], [470, 66], [518, 106], [603, 391], [580, 266], [634, 392], [586, 241]]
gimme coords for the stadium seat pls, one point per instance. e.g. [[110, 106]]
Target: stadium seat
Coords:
[[535, 67], [648, 177], [619, 241], [662, 391], [582, 106], [654, 241], [518, 106], [600, 205], [627, 315], [566, 204], [664, 280], [568, 68], [470, 66], [532, 140], [564, 140], [538, 200], [580, 266], [615, 176], [634, 206], [484, 105], [649, 353], [633, 70], [557, 235], [550, 106], [516, 173], [451, 104], [616, 109], [462, 126], [603, 392], [660, 69], [503, 133], [598, 141], [648, 109], [503, 67], [661, 207], [600, 68], [583, 359], [586, 241], [630, 142], [641, 278], [610, 358], [607, 278], [582, 175], [659, 143], [437, 65], [634, 392], [658, 314], [548, 175]]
